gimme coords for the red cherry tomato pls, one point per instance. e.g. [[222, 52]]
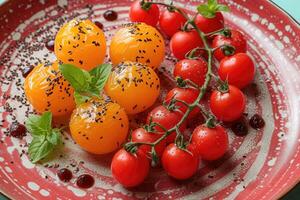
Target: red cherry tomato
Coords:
[[187, 95], [171, 22], [208, 25], [178, 163], [211, 143], [184, 41], [237, 40], [139, 14], [194, 70], [167, 119], [141, 135], [128, 169], [228, 106], [238, 70]]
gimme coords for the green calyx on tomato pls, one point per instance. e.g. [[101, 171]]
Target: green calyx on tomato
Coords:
[[150, 127], [131, 147], [154, 157], [180, 143], [210, 122], [228, 50], [223, 86], [226, 32], [171, 8], [145, 5], [210, 9], [180, 82], [171, 106]]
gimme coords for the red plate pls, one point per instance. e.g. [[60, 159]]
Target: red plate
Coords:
[[263, 165]]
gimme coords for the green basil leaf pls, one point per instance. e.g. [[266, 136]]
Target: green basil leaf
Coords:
[[39, 125], [210, 9], [100, 75], [39, 148], [212, 2], [79, 98], [222, 8], [78, 78], [44, 137], [205, 11], [54, 137]]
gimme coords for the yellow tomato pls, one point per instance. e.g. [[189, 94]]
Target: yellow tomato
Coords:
[[80, 43], [99, 126], [47, 90], [134, 86], [138, 43]]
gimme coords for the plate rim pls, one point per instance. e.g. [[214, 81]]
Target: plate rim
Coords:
[[292, 20]]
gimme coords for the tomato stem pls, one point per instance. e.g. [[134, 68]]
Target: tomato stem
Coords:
[[224, 31], [145, 5], [210, 120]]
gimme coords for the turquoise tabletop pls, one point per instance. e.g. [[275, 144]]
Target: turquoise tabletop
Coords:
[[292, 7]]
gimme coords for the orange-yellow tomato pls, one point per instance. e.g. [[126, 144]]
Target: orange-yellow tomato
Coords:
[[47, 90], [134, 86], [80, 43], [138, 43], [99, 126]]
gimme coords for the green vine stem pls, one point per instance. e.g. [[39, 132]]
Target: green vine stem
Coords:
[[190, 107]]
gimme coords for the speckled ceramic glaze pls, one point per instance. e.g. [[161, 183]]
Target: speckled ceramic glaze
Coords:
[[262, 165]]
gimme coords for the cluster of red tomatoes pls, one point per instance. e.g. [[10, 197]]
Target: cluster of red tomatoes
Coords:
[[227, 102]]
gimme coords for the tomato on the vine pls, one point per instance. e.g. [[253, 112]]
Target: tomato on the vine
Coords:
[[171, 22], [130, 169], [168, 119], [141, 135], [210, 18], [179, 163], [228, 105], [238, 70], [188, 95], [183, 42], [146, 13], [211, 143], [234, 38], [208, 25], [194, 70]]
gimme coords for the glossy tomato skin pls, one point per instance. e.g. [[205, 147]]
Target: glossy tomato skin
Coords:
[[237, 40], [167, 119], [141, 135], [208, 25], [138, 43], [43, 89], [129, 82], [238, 70], [99, 126], [138, 14], [194, 70], [211, 143], [80, 43], [171, 22], [128, 169], [184, 41], [188, 95], [228, 106], [178, 163]]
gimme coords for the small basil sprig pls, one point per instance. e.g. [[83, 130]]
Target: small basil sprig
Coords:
[[210, 9], [86, 84], [45, 138]]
